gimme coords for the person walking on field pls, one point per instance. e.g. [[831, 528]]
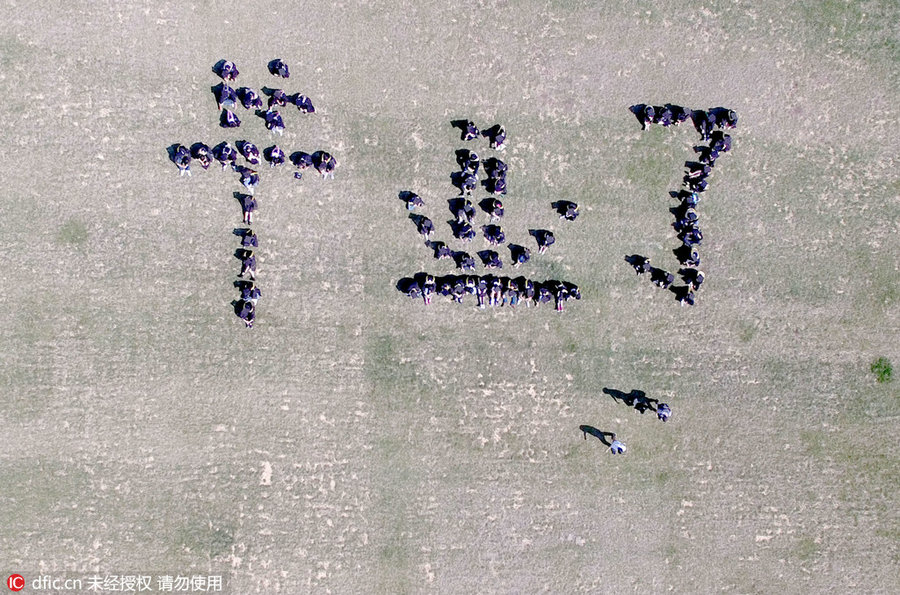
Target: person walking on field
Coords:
[[663, 411]]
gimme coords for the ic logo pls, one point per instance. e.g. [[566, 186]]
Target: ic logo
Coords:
[[15, 582]]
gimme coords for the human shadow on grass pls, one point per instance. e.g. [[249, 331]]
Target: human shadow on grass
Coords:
[[637, 399], [301, 159], [242, 253], [241, 198], [562, 206], [598, 434], [638, 111], [408, 196], [687, 256], [463, 126], [463, 155], [458, 204], [640, 264], [171, 151], [463, 260], [423, 224], [405, 284], [680, 194], [441, 251]]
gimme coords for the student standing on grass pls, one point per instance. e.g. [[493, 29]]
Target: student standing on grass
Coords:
[[663, 411]]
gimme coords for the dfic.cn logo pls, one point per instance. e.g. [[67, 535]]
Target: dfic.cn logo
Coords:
[[15, 582]]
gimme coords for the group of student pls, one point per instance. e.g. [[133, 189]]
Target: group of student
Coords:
[[322, 161], [710, 124], [227, 155], [228, 98], [640, 402], [489, 290]]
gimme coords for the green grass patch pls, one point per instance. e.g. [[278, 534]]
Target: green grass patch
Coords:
[[747, 330], [882, 369], [806, 549], [205, 538], [73, 233]]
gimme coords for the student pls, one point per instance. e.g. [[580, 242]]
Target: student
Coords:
[[228, 71], [279, 68], [571, 212], [471, 131], [248, 265], [663, 412], [304, 104], [545, 239], [248, 313], [250, 240], [250, 153], [276, 156], [183, 159], [274, 122], [250, 99], [201, 153]]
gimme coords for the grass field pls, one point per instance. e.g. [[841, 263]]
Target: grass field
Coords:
[[356, 441]]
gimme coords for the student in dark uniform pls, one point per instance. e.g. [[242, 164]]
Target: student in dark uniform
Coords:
[[251, 293], [495, 209], [465, 262], [248, 205], [641, 264], [468, 161], [661, 278], [465, 211], [278, 97], [520, 254], [249, 179], [494, 234], [247, 313], [301, 160], [568, 210], [274, 122], [250, 152], [279, 68], [663, 412], [492, 260], [425, 227], [225, 96], [250, 240], [720, 142], [274, 155], [496, 134], [230, 119], [465, 232], [413, 200], [470, 131], [182, 158], [304, 104], [250, 99], [248, 265], [228, 71], [545, 239], [201, 153], [647, 116], [225, 154]]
